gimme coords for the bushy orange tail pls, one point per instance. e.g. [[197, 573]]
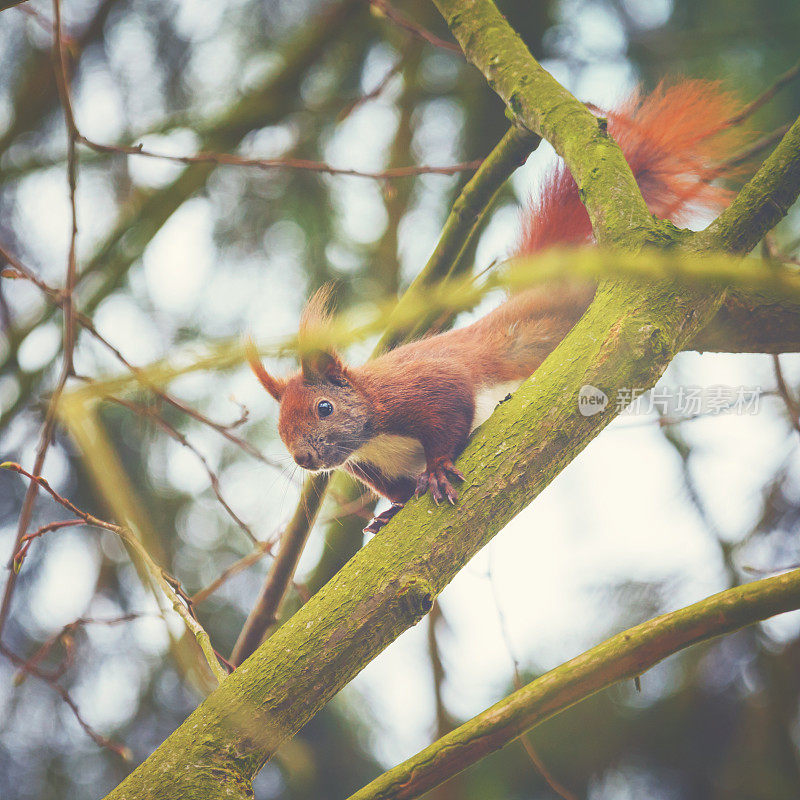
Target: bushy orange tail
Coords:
[[673, 139]]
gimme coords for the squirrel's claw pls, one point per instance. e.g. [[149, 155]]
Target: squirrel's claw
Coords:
[[436, 480], [379, 520], [453, 470]]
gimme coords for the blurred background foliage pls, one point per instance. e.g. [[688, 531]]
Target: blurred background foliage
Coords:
[[175, 255]]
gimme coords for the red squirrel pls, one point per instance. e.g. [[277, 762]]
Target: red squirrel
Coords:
[[399, 422]]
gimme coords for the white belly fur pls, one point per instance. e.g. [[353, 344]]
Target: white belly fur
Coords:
[[394, 456], [399, 456], [488, 398]]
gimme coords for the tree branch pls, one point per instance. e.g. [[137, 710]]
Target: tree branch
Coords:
[[751, 323], [766, 96], [537, 101], [266, 164], [763, 201], [4, 4], [624, 656], [265, 612]]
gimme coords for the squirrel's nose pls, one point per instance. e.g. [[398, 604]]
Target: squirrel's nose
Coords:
[[306, 457]]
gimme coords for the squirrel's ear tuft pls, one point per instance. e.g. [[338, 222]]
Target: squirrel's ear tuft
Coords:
[[316, 316], [321, 365], [274, 386], [318, 361]]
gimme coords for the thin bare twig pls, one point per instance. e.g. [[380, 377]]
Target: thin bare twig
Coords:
[[229, 159], [68, 308], [266, 547], [376, 92], [62, 83], [176, 435], [28, 538], [452, 789], [259, 551], [122, 751], [756, 148], [551, 780], [399, 19], [359, 507], [765, 96], [181, 603], [45, 437], [19, 270], [783, 390], [64, 636], [444, 722]]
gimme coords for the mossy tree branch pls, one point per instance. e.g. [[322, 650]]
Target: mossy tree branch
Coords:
[[624, 656], [626, 339], [537, 101]]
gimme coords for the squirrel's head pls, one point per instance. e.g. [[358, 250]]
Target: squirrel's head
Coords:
[[323, 417]]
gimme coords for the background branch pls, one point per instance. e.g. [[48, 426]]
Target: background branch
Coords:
[[763, 201], [168, 585], [626, 655], [538, 102]]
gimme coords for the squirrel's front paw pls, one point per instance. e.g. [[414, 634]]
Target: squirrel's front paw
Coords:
[[381, 519], [435, 479]]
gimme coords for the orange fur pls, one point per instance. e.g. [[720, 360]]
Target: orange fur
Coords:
[[672, 139], [274, 386]]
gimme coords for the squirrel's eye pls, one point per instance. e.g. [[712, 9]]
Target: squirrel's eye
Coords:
[[324, 409]]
